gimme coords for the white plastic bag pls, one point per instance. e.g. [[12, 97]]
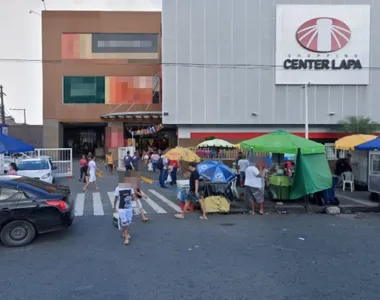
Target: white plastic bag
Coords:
[[150, 167], [169, 179]]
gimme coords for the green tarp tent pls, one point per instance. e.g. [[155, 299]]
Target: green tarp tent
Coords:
[[312, 175]]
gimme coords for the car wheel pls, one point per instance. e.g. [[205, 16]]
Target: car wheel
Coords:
[[17, 233]]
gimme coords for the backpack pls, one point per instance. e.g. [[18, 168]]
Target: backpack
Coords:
[[160, 163], [127, 161]]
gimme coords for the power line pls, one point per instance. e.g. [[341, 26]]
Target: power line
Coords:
[[173, 64]]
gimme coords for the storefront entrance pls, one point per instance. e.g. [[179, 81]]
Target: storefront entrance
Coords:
[[84, 138]]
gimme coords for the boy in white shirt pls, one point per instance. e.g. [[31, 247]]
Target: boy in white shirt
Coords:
[[125, 202]]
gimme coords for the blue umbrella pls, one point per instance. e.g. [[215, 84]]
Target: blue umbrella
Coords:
[[370, 145], [11, 145], [215, 171]]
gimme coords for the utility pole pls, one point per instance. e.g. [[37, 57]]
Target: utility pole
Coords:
[[2, 94], [23, 111]]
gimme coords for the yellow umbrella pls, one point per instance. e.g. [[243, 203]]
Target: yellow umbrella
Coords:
[[237, 146], [182, 154], [349, 142]]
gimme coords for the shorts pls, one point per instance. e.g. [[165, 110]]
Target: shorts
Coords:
[[242, 176], [128, 168], [192, 197], [254, 194], [125, 217], [110, 166]]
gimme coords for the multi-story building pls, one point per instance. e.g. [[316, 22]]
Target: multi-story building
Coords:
[[101, 78], [236, 69]]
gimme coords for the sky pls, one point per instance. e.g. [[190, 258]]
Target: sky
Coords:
[[20, 33]]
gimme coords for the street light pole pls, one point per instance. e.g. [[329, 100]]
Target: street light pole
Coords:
[[306, 86]]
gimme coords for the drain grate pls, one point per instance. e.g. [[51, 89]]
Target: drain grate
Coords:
[[227, 224]]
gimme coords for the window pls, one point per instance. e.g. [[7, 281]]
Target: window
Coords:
[[31, 165], [83, 90], [124, 43], [42, 185], [6, 193]]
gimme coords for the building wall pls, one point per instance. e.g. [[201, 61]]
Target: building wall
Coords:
[[86, 45], [203, 43], [30, 134]]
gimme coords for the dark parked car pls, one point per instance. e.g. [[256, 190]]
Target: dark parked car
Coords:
[[29, 207]]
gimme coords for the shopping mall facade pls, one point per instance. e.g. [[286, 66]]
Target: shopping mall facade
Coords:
[[235, 69], [101, 79]]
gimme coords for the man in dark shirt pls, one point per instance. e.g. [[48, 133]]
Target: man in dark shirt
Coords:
[[193, 195]]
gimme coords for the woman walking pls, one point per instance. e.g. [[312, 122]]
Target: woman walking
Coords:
[[83, 169], [92, 173], [12, 169]]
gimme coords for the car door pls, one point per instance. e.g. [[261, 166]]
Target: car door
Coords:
[[9, 198]]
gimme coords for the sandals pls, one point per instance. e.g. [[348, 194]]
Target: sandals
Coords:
[[126, 242], [146, 220], [179, 216], [203, 218], [252, 212]]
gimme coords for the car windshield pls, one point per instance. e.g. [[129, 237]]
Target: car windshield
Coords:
[[29, 165], [39, 184]]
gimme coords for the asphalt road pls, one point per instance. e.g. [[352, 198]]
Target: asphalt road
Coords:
[[227, 257]]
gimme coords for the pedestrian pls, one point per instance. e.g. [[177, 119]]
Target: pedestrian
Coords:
[[92, 173], [193, 195], [242, 165], [162, 165], [109, 161], [253, 188], [128, 162], [124, 195], [136, 161], [173, 173], [154, 159], [146, 157], [83, 164], [140, 196], [12, 169]]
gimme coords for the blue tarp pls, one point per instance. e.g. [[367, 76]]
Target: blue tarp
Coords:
[[370, 145], [11, 145]]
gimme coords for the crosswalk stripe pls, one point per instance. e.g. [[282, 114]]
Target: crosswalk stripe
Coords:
[[98, 206], [166, 201], [79, 205], [111, 196], [158, 209]]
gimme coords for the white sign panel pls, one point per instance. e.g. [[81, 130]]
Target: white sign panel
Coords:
[[322, 44]]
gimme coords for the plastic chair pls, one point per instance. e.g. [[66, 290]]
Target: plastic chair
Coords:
[[348, 178]]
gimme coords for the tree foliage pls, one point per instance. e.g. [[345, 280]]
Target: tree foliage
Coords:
[[209, 138], [358, 125]]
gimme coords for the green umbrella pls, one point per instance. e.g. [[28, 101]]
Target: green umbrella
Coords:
[[282, 142]]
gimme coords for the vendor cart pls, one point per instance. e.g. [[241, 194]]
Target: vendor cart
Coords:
[[280, 187], [374, 175]]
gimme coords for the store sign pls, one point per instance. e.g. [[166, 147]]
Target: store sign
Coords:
[[322, 44]]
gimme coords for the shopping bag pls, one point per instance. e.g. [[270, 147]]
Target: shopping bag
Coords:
[[169, 179], [99, 174], [115, 220], [150, 167]]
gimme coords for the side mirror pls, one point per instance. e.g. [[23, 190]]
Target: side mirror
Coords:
[[55, 168]]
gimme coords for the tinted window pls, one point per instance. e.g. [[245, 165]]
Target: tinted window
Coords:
[[47, 187], [6, 193], [33, 165]]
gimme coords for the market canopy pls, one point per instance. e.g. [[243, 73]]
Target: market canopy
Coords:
[[282, 142], [11, 145], [216, 143], [351, 141], [370, 145]]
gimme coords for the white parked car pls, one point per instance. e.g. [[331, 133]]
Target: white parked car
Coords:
[[37, 168]]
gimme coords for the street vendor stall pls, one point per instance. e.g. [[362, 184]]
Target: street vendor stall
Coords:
[[312, 172], [372, 147]]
